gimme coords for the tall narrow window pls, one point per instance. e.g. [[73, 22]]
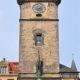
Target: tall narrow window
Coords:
[[38, 39], [3, 69]]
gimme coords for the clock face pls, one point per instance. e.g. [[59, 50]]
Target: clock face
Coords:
[[39, 8]]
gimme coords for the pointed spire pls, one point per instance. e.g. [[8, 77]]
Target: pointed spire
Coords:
[[73, 65]]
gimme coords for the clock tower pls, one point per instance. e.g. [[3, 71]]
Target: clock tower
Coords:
[[39, 43]]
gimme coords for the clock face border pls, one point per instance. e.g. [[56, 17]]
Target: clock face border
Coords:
[[39, 8]]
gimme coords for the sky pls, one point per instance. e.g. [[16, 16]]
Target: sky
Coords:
[[69, 31]]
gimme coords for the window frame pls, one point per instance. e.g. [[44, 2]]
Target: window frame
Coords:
[[35, 39]]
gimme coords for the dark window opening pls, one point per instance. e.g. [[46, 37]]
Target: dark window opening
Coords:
[[38, 40], [38, 15]]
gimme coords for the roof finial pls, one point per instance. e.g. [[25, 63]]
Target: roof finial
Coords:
[[4, 59], [72, 56]]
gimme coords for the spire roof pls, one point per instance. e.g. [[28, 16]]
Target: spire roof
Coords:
[[73, 65]]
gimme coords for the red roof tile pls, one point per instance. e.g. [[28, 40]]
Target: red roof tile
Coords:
[[13, 67]]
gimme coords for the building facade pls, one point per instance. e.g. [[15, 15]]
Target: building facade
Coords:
[[9, 70], [12, 70], [39, 45], [39, 42], [39, 39]]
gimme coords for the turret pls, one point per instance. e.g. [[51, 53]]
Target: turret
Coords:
[[73, 66]]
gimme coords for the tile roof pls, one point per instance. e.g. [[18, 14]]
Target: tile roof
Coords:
[[13, 67]]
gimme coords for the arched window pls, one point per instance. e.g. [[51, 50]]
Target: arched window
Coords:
[[38, 39]]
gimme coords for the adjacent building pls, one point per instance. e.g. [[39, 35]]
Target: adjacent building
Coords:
[[8, 70]]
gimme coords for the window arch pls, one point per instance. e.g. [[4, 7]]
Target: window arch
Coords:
[[38, 39]]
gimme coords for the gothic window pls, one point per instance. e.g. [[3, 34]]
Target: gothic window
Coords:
[[38, 39]]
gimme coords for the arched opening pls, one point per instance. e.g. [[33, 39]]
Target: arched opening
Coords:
[[38, 39]]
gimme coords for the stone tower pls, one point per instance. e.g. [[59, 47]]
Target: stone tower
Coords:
[[39, 43]]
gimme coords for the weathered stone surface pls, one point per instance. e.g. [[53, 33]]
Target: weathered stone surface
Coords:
[[49, 51], [28, 13]]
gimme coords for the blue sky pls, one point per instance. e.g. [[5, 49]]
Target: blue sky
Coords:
[[69, 31]]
